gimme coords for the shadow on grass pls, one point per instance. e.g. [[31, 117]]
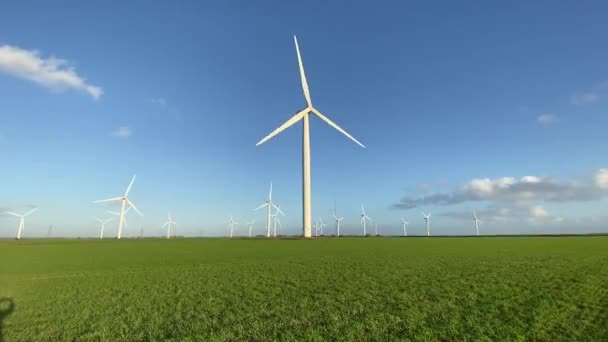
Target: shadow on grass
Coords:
[[7, 306]]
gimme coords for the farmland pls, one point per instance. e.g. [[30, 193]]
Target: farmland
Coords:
[[500, 288]]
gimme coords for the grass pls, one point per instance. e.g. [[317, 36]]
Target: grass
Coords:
[[351, 289]]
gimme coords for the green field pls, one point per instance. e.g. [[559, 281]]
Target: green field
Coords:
[[352, 289]]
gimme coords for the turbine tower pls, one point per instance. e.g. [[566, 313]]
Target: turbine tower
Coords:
[[405, 223], [304, 116], [231, 224], [21, 221], [250, 224], [338, 220], [102, 224], [124, 200], [269, 205], [427, 219], [376, 227], [168, 225], [364, 218], [477, 222]]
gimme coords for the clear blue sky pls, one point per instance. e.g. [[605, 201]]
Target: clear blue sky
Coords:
[[441, 93]]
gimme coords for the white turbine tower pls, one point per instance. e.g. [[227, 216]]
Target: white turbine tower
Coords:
[[21, 221], [405, 223], [168, 224], [102, 224], [231, 224], [317, 228], [250, 224], [268, 205], [364, 218], [304, 116], [124, 200], [427, 219], [322, 225], [477, 222], [376, 227]]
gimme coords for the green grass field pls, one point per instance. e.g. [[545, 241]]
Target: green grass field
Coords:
[[352, 289]]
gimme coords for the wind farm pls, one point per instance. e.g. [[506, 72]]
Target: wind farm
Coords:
[[250, 236]]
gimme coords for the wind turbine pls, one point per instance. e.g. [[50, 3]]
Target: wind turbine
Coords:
[[376, 226], [317, 228], [338, 220], [276, 219], [405, 223], [269, 205], [231, 224], [102, 224], [477, 222], [250, 224], [427, 219], [123, 203], [304, 116], [21, 220], [118, 214], [364, 218], [168, 225], [322, 225]]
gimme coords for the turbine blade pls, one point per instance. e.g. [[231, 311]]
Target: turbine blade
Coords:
[[270, 193], [29, 212], [12, 213], [338, 128], [302, 74], [262, 206], [131, 205], [108, 200], [113, 213], [284, 126], [130, 185], [278, 209]]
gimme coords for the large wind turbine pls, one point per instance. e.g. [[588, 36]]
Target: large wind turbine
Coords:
[[304, 115], [338, 220], [231, 224], [168, 225], [21, 221], [124, 200], [102, 224], [427, 219], [364, 218], [405, 223], [269, 205], [477, 221]]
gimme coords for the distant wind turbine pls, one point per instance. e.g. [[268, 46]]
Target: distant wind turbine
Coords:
[[276, 219], [102, 224], [405, 223], [322, 225], [376, 227], [364, 219], [477, 222], [268, 205], [231, 224], [21, 221], [250, 224], [168, 224], [124, 200], [338, 220], [304, 115], [427, 219]]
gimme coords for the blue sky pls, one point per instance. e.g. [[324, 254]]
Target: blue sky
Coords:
[[452, 100]]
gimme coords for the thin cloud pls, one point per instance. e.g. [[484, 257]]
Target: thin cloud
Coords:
[[122, 132], [594, 95], [159, 101], [547, 119], [601, 179], [53, 73]]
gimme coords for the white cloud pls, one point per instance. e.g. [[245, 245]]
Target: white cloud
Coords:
[[162, 102], [122, 132], [601, 179], [591, 96], [547, 119], [538, 211], [53, 73]]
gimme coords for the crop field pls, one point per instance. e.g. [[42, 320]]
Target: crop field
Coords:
[[352, 289]]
